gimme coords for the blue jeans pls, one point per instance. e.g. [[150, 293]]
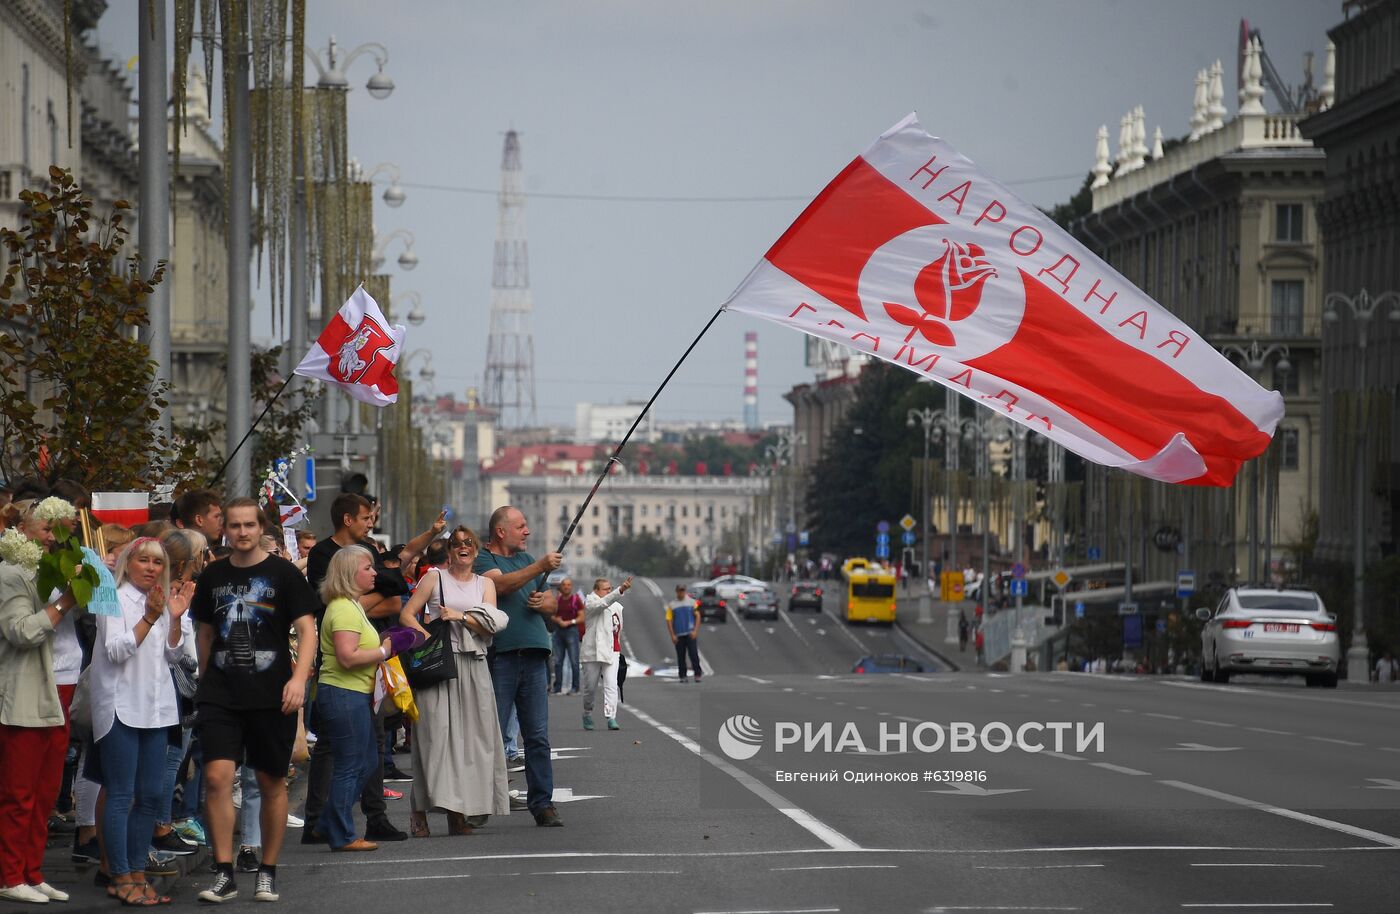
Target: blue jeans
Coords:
[[133, 766], [566, 647], [345, 721], [521, 680], [174, 755], [250, 816]]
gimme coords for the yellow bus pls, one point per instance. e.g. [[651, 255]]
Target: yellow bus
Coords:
[[870, 595]]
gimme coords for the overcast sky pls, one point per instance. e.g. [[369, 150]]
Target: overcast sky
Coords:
[[722, 99]]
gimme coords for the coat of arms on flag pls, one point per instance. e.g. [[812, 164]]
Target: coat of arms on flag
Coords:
[[913, 255], [357, 352]]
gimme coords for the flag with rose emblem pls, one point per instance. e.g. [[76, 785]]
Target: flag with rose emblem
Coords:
[[357, 352], [915, 256]]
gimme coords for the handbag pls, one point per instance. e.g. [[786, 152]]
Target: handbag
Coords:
[[80, 706], [432, 663]]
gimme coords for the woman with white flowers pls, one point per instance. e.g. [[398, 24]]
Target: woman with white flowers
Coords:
[[33, 717], [133, 705]]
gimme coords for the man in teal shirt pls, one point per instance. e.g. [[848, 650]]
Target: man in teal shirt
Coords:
[[520, 653]]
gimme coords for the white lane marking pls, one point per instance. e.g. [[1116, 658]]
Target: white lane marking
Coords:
[[820, 830], [1119, 768], [939, 908], [787, 617], [1354, 831], [734, 617], [1048, 866], [1162, 716], [405, 878], [1258, 904], [1200, 747], [776, 911], [1290, 695], [1311, 866], [756, 679], [607, 873], [1271, 732], [1211, 723], [1389, 749], [1335, 742], [848, 866], [1063, 755], [655, 590], [846, 630]]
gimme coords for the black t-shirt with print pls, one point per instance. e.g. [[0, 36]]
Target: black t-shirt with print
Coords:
[[251, 611]]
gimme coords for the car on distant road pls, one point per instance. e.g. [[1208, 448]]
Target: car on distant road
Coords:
[[729, 586], [758, 604], [805, 595], [1272, 632], [556, 576], [711, 606], [888, 663]]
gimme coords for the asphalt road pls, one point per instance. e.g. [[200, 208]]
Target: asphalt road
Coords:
[[1256, 796]]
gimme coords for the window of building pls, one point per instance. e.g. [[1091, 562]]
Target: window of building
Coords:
[[595, 512], [1288, 222], [644, 510], [595, 529], [685, 510], [1288, 449], [1287, 307], [1286, 382], [685, 530]]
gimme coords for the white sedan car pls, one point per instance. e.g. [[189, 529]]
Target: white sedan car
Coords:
[[1278, 632], [729, 586]]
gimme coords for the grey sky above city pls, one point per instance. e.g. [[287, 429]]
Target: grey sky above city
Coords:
[[735, 102]]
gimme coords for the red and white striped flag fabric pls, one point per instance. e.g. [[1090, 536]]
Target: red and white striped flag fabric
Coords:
[[915, 256], [357, 352], [125, 508]]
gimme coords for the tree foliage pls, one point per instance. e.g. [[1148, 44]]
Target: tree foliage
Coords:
[[79, 396], [283, 429], [647, 554]]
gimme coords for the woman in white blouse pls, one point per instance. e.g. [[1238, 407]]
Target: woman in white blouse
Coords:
[[133, 705]]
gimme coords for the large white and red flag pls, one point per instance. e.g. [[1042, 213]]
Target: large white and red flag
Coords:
[[357, 352], [915, 256]]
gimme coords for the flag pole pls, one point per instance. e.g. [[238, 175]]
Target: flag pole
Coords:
[[220, 475], [607, 467]]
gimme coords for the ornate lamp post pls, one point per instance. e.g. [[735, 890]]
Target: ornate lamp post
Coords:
[[1362, 307], [393, 195], [407, 260], [1254, 358], [416, 315]]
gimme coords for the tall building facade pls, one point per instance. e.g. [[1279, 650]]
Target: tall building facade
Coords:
[[1360, 221], [1221, 229]]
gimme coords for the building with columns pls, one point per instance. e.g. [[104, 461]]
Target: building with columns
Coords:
[[1220, 228]]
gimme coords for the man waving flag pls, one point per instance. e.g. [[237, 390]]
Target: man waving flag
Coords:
[[915, 256]]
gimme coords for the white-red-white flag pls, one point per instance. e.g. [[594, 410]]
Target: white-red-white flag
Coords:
[[357, 352], [125, 508], [915, 256]]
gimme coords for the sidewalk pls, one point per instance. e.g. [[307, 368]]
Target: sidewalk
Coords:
[[930, 630]]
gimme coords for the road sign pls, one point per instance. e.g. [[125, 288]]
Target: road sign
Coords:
[[1161, 626], [883, 526], [1061, 578], [907, 522], [791, 527], [1018, 571], [777, 538], [1079, 609], [1019, 587], [309, 463], [1095, 553], [1127, 609], [882, 539], [1132, 632], [908, 538], [1185, 584], [804, 538], [882, 552]]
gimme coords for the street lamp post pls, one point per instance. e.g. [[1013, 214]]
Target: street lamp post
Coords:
[[407, 260], [1363, 307], [1255, 358]]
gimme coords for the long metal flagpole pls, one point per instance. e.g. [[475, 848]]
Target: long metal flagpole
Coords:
[[607, 467]]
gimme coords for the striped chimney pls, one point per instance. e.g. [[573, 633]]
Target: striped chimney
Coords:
[[751, 380]]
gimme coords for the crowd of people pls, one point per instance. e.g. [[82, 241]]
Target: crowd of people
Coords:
[[171, 716]]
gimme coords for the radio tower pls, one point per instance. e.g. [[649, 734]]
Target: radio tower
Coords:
[[510, 348]]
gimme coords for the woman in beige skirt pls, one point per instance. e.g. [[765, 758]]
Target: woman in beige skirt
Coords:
[[458, 756]]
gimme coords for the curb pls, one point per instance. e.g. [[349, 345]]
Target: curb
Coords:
[[953, 665]]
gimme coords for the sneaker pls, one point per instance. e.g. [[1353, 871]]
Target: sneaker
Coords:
[[247, 861], [191, 830], [518, 804], [162, 863], [683, 679], [381, 829], [294, 822], [172, 843], [23, 893], [223, 889], [612, 724], [393, 774], [548, 818], [60, 825], [518, 758], [49, 892], [587, 722], [392, 794], [267, 887], [87, 853]]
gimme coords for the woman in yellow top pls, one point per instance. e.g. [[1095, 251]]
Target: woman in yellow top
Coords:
[[351, 651]]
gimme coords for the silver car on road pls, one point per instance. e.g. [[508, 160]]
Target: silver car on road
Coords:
[[1275, 632]]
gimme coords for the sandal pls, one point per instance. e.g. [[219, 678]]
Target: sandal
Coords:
[[418, 825], [152, 896], [132, 894]]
